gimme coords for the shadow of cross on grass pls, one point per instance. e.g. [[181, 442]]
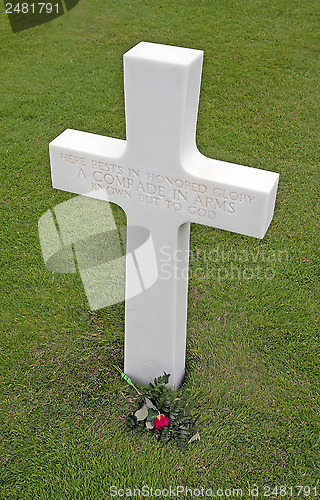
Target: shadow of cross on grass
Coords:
[[163, 183]]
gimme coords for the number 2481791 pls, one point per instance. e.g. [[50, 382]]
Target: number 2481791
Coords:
[[33, 8]]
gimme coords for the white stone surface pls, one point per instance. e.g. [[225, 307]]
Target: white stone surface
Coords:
[[163, 183]]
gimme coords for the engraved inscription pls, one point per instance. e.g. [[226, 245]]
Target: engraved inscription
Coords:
[[73, 159], [155, 189]]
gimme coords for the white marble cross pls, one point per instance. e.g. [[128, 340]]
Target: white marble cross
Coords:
[[163, 183]]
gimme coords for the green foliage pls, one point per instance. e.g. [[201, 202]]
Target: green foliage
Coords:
[[160, 394], [166, 402]]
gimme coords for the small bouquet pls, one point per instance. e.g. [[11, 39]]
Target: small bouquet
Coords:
[[162, 413]]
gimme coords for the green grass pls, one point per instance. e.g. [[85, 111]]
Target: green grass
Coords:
[[252, 344]]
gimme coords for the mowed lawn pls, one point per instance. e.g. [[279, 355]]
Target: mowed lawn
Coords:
[[252, 365]]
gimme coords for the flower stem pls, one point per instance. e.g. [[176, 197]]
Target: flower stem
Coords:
[[127, 379]]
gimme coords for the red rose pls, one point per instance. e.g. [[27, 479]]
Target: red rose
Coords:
[[160, 422]]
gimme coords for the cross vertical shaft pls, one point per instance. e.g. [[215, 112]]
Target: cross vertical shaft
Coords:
[[161, 98]]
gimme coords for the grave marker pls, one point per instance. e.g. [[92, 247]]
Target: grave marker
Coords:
[[163, 183]]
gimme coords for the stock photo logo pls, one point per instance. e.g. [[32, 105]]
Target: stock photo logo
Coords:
[[25, 15], [80, 235]]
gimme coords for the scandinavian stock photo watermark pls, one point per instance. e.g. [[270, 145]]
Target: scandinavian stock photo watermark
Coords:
[[253, 491], [174, 492], [81, 235], [221, 264]]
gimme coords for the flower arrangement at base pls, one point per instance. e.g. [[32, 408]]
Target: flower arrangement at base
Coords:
[[162, 413]]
